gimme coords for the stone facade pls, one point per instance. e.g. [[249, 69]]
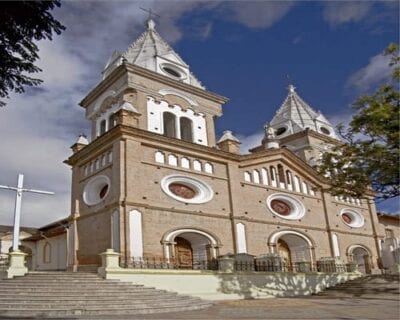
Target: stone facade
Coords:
[[138, 187]]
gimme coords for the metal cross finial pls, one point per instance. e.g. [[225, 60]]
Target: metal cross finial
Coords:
[[150, 12], [18, 201]]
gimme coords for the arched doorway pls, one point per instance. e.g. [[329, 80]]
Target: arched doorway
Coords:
[[361, 256], [295, 249], [190, 248]]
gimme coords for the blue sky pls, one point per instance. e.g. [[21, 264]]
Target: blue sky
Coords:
[[243, 50]]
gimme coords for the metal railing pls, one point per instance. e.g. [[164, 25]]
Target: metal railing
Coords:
[[3, 263], [155, 262], [245, 265]]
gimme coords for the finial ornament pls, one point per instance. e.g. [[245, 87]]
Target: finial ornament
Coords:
[[291, 88], [269, 131], [150, 22]]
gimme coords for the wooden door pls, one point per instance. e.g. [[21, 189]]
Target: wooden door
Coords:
[[183, 253], [284, 252]]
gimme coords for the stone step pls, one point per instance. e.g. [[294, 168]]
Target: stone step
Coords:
[[64, 312], [92, 304], [55, 294]]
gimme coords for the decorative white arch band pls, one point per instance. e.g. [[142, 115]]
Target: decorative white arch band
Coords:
[[275, 237], [164, 92], [351, 248], [168, 240]]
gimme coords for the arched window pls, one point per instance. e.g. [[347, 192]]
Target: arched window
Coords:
[[102, 128], [160, 157], [289, 180], [264, 175], [47, 253], [256, 176], [112, 121], [186, 126], [197, 165], [172, 160], [185, 163], [247, 176], [208, 167], [281, 175], [169, 121], [273, 176]]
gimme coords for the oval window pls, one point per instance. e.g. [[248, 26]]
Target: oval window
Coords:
[[173, 71], [352, 218], [96, 190], [325, 131], [280, 131], [186, 189], [285, 206]]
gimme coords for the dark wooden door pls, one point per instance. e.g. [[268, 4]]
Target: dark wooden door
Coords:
[[183, 253]]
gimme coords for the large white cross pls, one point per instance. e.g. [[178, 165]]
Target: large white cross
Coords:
[[18, 200]]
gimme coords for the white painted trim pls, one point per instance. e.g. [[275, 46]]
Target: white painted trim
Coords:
[[241, 238], [335, 243], [135, 234], [92, 189], [171, 236], [298, 208], [275, 237], [204, 192], [358, 218], [165, 92]]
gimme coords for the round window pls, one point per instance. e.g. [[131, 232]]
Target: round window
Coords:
[[186, 189], [182, 190], [280, 131], [352, 218], [325, 131], [285, 206], [96, 190]]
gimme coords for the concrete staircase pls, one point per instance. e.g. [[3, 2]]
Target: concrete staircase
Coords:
[[60, 294], [383, 287]]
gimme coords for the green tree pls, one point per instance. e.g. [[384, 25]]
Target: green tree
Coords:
[[22, 23], [369, 158]]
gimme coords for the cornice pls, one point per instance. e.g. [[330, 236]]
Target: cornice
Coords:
[[121, 132], [125, 68]]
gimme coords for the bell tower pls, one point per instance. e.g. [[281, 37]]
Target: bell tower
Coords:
[[148, 98]]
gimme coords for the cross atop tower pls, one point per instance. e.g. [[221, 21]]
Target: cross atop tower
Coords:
[[150, 22]]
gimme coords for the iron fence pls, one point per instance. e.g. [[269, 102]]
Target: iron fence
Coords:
[[155, 262], [247, 265], [3, 263]]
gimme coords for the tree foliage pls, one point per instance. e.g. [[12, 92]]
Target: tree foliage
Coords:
[[370, 156], [22, 23]]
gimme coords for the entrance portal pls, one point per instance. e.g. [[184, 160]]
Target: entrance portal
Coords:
[[183, 253], [295, 250], [362, 258]]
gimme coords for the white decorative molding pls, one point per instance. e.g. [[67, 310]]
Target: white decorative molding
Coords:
[[135, 234], [173, 92], [297, 208], [92, 190], [357, 219], [203, 192], [335, 243], [115, 235], [241, 238]]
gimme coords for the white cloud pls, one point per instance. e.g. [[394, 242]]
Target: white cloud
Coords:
[[38, 127], [376, 71], [251, 141], [258, 14], [340, 12]]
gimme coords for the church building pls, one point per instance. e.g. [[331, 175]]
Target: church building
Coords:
[[155, 181]]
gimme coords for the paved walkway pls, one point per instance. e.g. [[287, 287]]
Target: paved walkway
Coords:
[[291, 308], [381, 306]]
